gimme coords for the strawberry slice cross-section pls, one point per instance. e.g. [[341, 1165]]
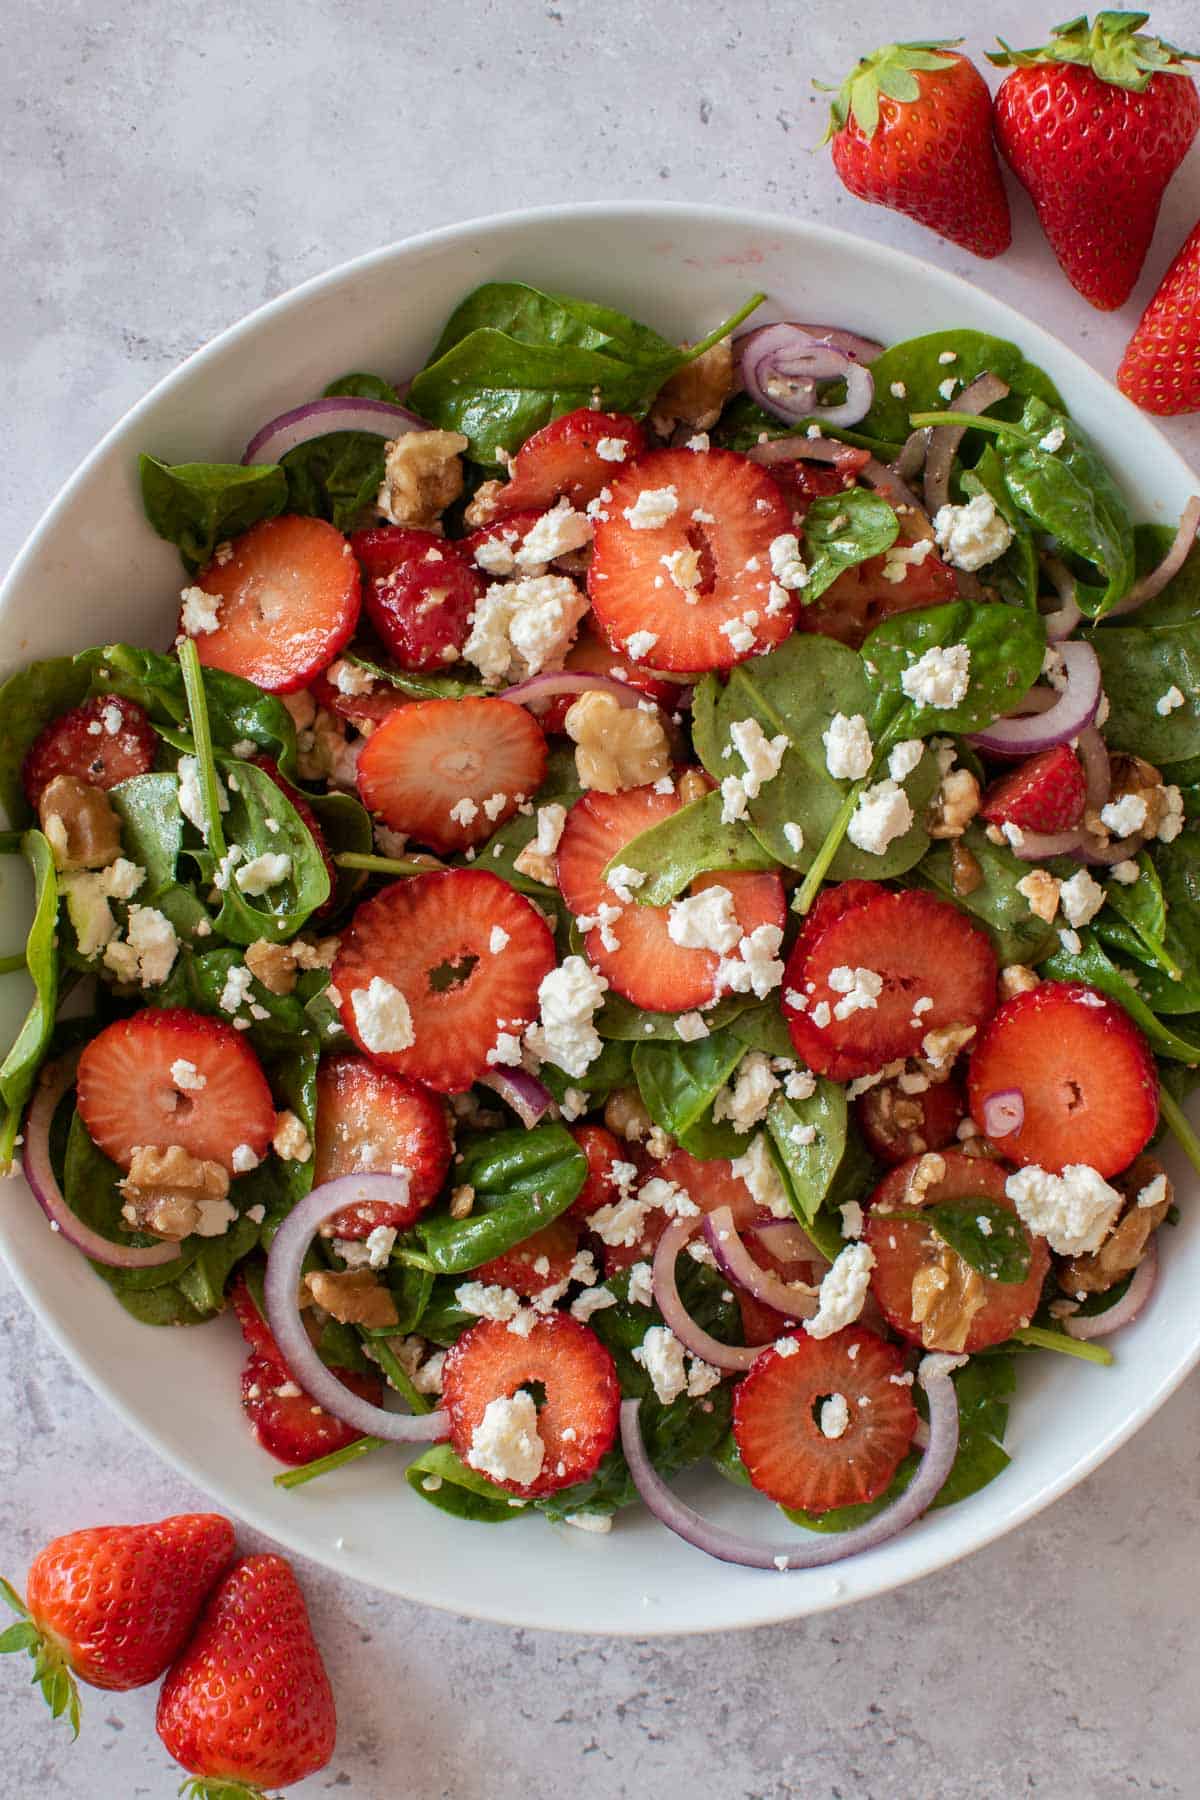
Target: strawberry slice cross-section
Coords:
[[371, 1121], [102, 742]]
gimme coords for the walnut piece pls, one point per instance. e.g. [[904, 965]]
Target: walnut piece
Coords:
[[1125, 1245], [272, 964], [696, 393], [323, 753], [539, 865], [940, 1047], [462, 1200], [691, 786], [617, 747], [1017, 979], [1130, 774], [625, 1115], [291, 1141], [166, 1190], [946, 1295], [483, 507], [954, 805], [929, 1171], [80, 825], [422, 474], [1040, 890], [353, 1297], [965, 872]]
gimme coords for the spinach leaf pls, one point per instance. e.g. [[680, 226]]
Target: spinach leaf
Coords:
[[809, 1165], [151, 828], [743, 424], [619, 1019], [613, 1068], [198, 505], [915, 365], [411, 681], [238, 712], [1016, 571], [346, 827], [1094, 966], [1159, 925], [336, 477], [679, 1083], [18, 1072], [764, 1028], [522, 1180], [841, 530], [796, 690], [1179, 601], [29, 700], [358, 386], [989, 1238], [1139, 664], [445, 1481], [1018, 936], [89, 1184], [256, 804], [691, 842], [560, 786], [202, 1283], [1006, 646]]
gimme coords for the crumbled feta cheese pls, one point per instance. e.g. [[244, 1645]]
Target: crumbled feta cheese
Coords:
[[371, 1252], [639, 644], [382, 1017], [522, 627], [1166, 703], [641, 1284], [263, 872], [593, 1299], [464, 812], [883, 814], [946, 388], [852, 1219], [350, 679], [1126, 872], [690, 1028], [567, 999], [505, 1445], [187, 1076], [683, 566], [652, 508], [756, 1167], [704, 921], [762, 755], [201, 612], [794, 836], [848, 749], [1171, 823], [291, 1142], [1054, 439], [498, 940], [149, 951], [216, 1216], [1080, 898], [787, 564], [740, 633], [745, 1103], [904, 758], [506, 1050], [756, 968], [786, 1346], [244, 1159], [601, 1523], [1070, 940], [939, 678], [236, 989], [612, 449], [835, 1416], [1154, 1192], [623, 879], [493, 806], [843, 1291], [662, 1356], [1073, 1211], [1125, 815], [733, 799], [799, 1084], [860, 990], [556, 533]]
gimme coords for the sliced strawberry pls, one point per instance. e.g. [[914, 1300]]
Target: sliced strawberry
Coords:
[[420, 595], [542, 1261], [777, 1412], [430, 937], [591, 655], [254, 1327], [577, 1421], [852, 606], [309, 818], [493, 547], [647, 966], [707, 1184], [563, 461], [726, 512], [102, 742], [363, 711], [290, 594], [1047, 793], [287, 1422], [371, 1120], [450, 772], [1085, 1074], [129, 1092], [924, 949], [897, 1124], [903, 1249], [602, 1151], [803, 482]]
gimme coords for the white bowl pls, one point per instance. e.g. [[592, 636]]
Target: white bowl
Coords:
[[93, 571]]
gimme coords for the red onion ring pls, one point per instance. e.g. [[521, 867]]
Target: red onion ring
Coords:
[[786, 1239], [320, 417], [1024, 734], [1003, 1112], [911, 460], [281, 1291], [887, 482], [546, 686], [944, 440], [735, 1261], [1172, 562], [523, 1092], [858, 349], [1066, 616], [802, 448], [1127, 1308], [1038, 846], [1093, 754], [1103, 856], [53, 1082], [816, 1551], [732, 1358], [781, 364]]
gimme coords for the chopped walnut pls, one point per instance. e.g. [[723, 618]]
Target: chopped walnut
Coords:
[[462, 1200], [353, 1297], [946, 1295], [483, 507], [940, 1047], [695, 395], [166, 1190], [80, 825], [323, 753], [539, 865], [1040, 891], [954, 805], [1133, 775], [929, 1171], [897, 1117], [422, 475], [272, 964], [625, 1115], [302, 707], [1125, 1245], [319, 955], [965, 872], [659, 1143], [617, 747], [691, 786], [291, 1141], [1017, 979]]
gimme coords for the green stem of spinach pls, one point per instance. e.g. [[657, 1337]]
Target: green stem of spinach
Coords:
[[193, 687], [722, 331], [325, 1465], [10, 964], [977, 422], [811, 885], [1038, 1338], [397, 1375], [1180, 1127], [379, 865]]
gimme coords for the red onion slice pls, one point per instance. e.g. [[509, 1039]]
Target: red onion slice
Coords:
[[1093, 754], [53, 1083], [1127, 1308], [1103, 856], [786, 1239], [320, 417], [1003, 1112], [944, 440], [281, 1291], [542, 688], [858, 349], [1024, 734], [1061, 622], [780, 366], [733, 1358], [802, 448], [816, 1551], [1172, 562], [523, 1092], [911, 460], [1038, 846], [734, 1260], [887, 482]]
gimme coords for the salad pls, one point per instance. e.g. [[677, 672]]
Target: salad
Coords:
[[647, 917]]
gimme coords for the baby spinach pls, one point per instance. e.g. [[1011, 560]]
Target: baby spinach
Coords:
[[522, 1180], [1006, 646], [196, 506], [810, 1166], [679, 1083], [338, 475], [691, 842], [559, 787], [238, 712], [511, 358], [151, 828], [1140, 663], [619, 1018], [764, 1028], [743, 424], [990, 1239], [18, 1072], [1016, 571], [915, 365], [1018, 936], [842, 530], [1179, 601], [613, 1068], [442, 1478], [262, 821], [29, 700], [420, 685], [1158, 924], [1095, 967], [346, 827]]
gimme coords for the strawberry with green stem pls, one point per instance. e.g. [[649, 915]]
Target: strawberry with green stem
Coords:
[[911, 129], [1094, 124]]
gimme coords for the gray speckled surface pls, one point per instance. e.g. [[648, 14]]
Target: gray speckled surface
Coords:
[[165, 168]]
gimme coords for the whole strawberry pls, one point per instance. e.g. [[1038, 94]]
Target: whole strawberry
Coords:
[[248, 1705], [1161, 367], [1094, 124], [114, 1605], [911, 128]]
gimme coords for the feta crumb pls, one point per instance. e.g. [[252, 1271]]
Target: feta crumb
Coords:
[[600, 1523], [190, 797], [1154, 1192], [498, 940], [244, 1159], [733, 799], [382, 1017], [852, 1219], [704, 921], [201, 612], [860, 990], [641, 1284], [1080, 898], [745, 1103], [835, 1416], [946, 388], [848, 749], [1125, 815], [593, 1299], [640, 643], [787, 564], [263, 872], [522, 627], [690, 1027], [793, 836], [291, 1142], [505, 1445], [556, 533], [1054, 439], [1166, 703], [898, 391], [939, 678], [187, 1076], [904, 758], [757, 1169], [762, 755], [843, 1291], [567, 998], [883, 814], [1073, 1211], [652, 508], [740, 634], [972, 535], [612, 449], [622, 879], [786, 1346]]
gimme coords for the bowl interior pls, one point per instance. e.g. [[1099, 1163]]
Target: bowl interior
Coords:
[[93, 571]]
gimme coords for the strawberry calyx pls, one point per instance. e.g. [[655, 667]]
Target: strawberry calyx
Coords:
[[51, 1670], [892, 71], [1113, 48], [209, 1787]]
